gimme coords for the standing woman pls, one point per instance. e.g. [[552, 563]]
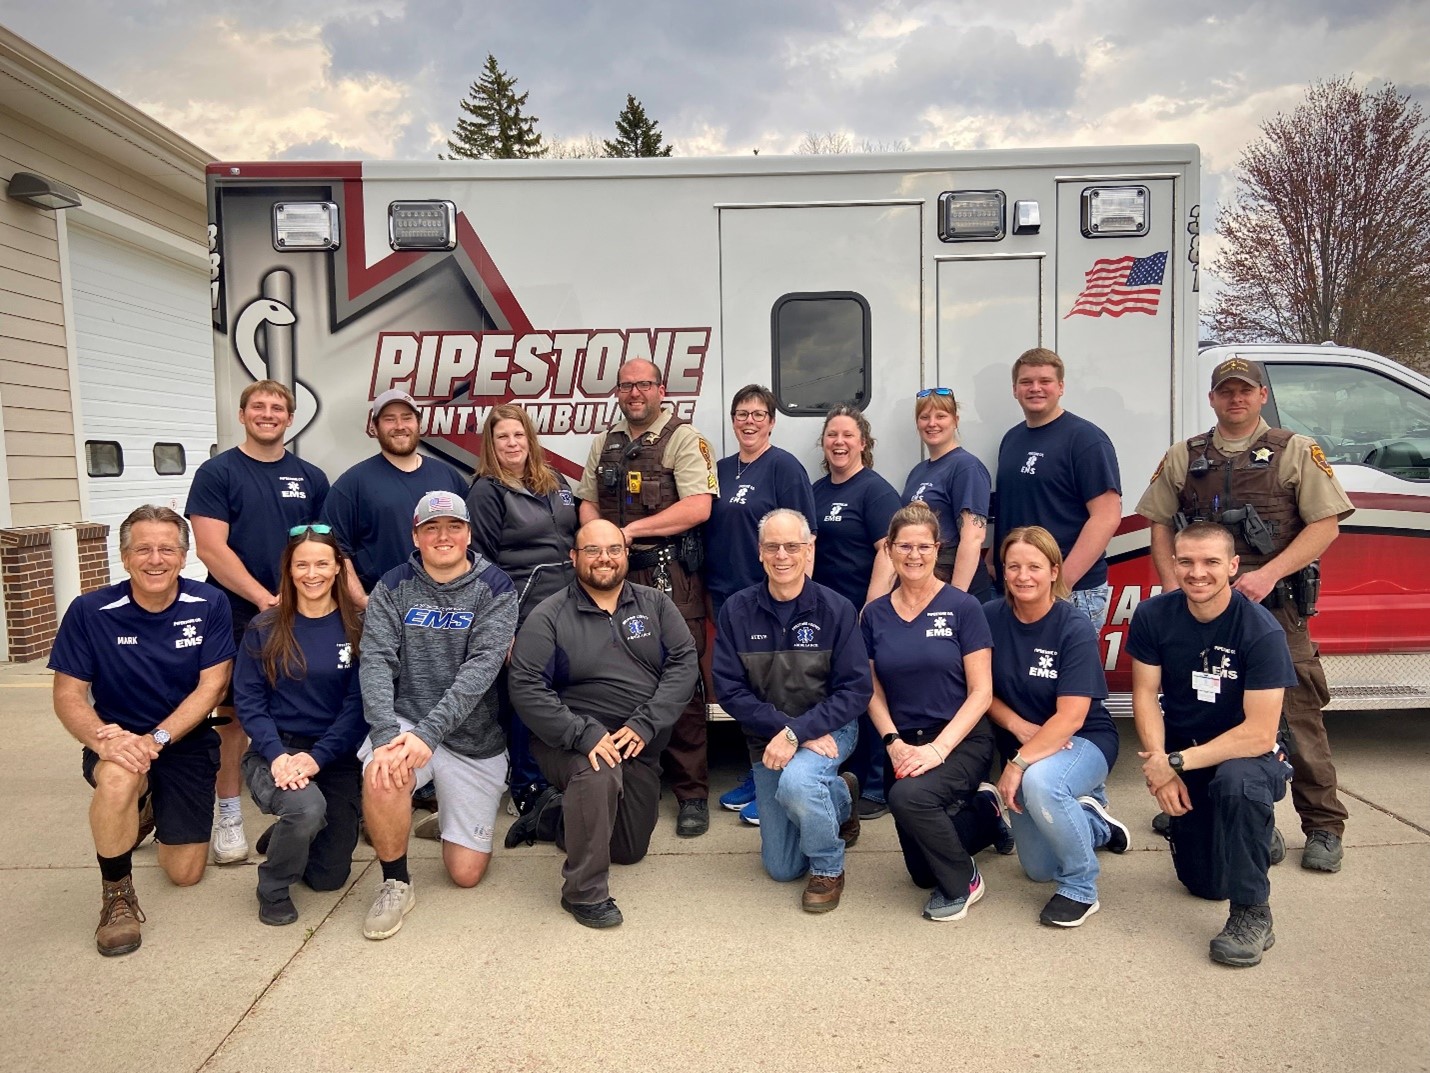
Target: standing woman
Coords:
[[853, 505], [753, 481], [957, 487], [1056, 736], [524, 520], [295, 687], [930, 651]]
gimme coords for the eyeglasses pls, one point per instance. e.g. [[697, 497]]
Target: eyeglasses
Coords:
[[166, 551], [909, 549], [750, 415], [926, 392], [791, 547], [593, 551], [625, 387], [300, 530]]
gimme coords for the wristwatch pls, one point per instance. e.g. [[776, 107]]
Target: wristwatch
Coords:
[[1176, 762], [791, 737], [161, 736], [889, 738], [1018, 762]]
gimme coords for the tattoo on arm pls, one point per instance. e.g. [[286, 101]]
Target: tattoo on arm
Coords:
[[978, 520]]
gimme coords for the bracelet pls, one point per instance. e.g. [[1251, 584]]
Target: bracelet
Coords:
[[941, 756]]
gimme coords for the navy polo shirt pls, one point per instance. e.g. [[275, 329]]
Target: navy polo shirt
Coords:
[[732, 552], [852, 517]]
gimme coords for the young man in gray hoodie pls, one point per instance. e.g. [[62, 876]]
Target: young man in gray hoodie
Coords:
[[437, 630]]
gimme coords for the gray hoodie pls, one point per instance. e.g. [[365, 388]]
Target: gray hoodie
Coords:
[[431, 651]]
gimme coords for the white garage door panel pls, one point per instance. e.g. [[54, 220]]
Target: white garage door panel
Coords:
[[146, 372]]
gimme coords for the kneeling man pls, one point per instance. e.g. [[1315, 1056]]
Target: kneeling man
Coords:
[[599, 673], [1211, 758]]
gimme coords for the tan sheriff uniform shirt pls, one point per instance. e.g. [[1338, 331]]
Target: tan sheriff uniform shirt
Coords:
[[1304, 472], [687, 453]]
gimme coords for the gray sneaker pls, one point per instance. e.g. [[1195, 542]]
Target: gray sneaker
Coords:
[[1323, 852], [1247, 933], [394, 901], [429, 826]]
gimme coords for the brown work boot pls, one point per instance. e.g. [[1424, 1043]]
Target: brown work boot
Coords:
[[849, 829], [821, 893], [119, 919]]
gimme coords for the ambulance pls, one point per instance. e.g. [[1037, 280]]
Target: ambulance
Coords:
[[829, 279]]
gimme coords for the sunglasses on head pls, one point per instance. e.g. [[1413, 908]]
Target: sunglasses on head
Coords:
[[926, 392], [301, 530]]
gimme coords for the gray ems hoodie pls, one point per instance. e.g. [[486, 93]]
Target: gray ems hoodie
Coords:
[[431, 651]]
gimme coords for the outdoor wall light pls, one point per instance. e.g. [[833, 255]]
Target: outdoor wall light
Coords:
[[42, 193]]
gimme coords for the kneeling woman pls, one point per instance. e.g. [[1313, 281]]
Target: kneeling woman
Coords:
[[1056, 736], [930, 652], [296, 693]]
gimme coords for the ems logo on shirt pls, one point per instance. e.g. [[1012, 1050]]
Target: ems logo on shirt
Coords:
[[566, 497], [739, 496], [345, 655], [940, 627], [432, 618], [1031, 466], [1044, 668], [191, 638], [920, 490], [294, 489], [834, 511], [806, 635], [1221, 667], [637, 626]]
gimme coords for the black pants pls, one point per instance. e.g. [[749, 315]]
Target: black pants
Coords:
[[1222, 847], [317, 827]]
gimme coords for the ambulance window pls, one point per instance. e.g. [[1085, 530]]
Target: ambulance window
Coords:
[[103, 458], [169, 459], [1357, 416], [820, 344]]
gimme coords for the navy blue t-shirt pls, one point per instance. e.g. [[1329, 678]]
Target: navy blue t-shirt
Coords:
[[1244, 647], [950, 485], [732, 550], [1035, 663], [920, 663], [852, 516], [1047, 475], [260, 501], [140, 665], [370, 509], [325, 703]]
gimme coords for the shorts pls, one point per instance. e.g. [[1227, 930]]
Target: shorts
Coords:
[[243, 613], [181, 787], [468, 791]]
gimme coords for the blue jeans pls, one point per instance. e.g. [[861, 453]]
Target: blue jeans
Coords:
[[1056, 836], [801, 810], [1093, 603]]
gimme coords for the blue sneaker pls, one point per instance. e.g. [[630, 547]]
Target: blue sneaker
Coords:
[[942, 907], [735, 800], [750, 814]]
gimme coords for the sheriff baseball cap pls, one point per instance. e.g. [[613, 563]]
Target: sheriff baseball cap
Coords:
[[440, 505], [389, 397], [1238, 369]]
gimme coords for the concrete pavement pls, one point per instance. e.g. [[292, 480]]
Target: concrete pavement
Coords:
[[716, 968]]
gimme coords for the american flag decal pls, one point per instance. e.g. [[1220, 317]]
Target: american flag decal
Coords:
[[1118, 285]]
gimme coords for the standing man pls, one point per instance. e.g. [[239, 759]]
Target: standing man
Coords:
[[1277, 494], [791, 668], [653, 476], [436, 633], [1059, 471], [241, 505], [138, 665], [1209, 749], [600, 673], [370, 504]]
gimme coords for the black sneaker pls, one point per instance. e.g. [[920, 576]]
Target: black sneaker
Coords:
[[1064, 912], [1162, 825], [1278, 846], [1247, 933], [278, 912], [539, 822], [850, 828], [1118, 837], [261, 846], [694, 819], [869, 809], [597, 914]]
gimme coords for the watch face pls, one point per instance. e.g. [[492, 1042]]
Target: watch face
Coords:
[[161, 737]]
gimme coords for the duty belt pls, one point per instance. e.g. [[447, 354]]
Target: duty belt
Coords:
[[650, 558]]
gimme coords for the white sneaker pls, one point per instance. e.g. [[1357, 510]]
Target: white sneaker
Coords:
[[229, 844], [429, 826], [394, 901]]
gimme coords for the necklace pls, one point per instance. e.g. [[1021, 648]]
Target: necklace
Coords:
[[740, 469]]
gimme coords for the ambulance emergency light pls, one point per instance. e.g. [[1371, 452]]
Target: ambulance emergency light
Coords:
[[305, 225], [422, 225], [1115, 211], [971, 215]]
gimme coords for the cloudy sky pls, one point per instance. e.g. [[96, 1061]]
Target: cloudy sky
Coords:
[[382, 78]]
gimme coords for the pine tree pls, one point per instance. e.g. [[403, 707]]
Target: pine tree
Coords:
[[636, 133], [497, 128]]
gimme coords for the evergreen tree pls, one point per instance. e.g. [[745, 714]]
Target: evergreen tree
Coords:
[[636, 133], [494, 125]]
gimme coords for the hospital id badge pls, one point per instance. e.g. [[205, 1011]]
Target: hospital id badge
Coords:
[[1208, 686]]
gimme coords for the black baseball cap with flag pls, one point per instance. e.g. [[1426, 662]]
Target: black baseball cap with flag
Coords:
[[1239, 369]]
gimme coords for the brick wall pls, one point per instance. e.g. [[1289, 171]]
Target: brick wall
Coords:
[[28, 577]]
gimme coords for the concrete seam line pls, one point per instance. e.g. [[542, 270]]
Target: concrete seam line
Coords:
[[1385, 811]]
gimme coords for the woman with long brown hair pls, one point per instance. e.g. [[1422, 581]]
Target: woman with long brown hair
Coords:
[[295, 686]]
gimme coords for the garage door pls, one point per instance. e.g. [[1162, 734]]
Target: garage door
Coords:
[[146, 377]]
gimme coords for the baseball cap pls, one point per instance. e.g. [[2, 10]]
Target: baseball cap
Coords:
[[392, 396], [440, 505], [1238, 369]]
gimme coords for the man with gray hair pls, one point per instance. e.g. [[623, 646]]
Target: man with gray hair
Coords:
[[791, 668], [138, 666]]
